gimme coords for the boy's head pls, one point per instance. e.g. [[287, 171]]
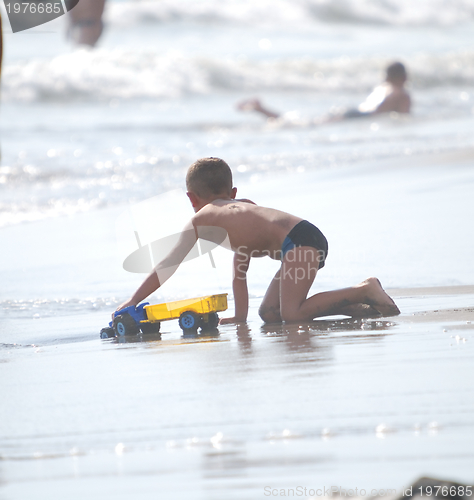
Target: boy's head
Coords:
[[209, 178], [396, 73]]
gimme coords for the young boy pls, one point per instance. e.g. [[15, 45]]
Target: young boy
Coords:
[[255, 231]]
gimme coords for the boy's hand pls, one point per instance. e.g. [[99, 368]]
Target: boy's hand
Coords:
[[129, 302]]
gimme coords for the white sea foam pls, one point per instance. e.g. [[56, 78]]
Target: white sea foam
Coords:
[[45, 308], [123, 74], [87, 129], [288, 12]]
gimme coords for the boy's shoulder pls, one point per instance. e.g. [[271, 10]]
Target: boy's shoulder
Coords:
[[245, 200]]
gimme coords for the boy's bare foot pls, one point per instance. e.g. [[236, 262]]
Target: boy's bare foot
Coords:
[[360, 311], [378, 298]]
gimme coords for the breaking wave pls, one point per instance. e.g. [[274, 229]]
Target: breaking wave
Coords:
[[103, 74], [293, 12]]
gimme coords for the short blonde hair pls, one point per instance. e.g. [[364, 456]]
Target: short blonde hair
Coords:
[[209, 176]]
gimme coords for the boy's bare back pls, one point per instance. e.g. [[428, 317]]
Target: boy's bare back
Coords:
[[252, 230]]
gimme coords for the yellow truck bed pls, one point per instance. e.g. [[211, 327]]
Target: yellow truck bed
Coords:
[[199, 305]]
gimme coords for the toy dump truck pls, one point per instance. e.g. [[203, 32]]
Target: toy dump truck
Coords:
[[192, 314]]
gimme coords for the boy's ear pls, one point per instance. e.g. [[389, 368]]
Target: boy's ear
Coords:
[[192, 198], [233, 193]]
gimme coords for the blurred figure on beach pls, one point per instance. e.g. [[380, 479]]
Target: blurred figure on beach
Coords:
[[1, 57], [1, 45], [390, 96], [85, 22]]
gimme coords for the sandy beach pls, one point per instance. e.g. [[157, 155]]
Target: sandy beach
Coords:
[[369, 404], [356, 403], [95, 146]]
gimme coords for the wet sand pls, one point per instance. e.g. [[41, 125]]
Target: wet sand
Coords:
[[354, 403], [449, 317], [337, 402]]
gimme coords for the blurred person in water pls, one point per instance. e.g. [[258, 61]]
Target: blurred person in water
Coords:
[[390, 96], [85, 22]]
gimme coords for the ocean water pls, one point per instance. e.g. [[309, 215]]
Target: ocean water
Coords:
[[160, 91], [95, 144]]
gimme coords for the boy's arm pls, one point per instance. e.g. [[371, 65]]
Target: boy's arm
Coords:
[[165, 268], [150, 285], [239, 286]]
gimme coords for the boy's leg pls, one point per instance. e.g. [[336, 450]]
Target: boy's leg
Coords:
[[269, 309], [299, 268], [360, 311], [256, 105]]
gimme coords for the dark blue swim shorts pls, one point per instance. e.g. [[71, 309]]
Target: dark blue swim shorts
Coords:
[[355, 113], [305, 234]]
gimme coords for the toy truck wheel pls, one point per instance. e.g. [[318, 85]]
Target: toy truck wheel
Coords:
[[189, 321], [211, 323], [150, 327], [124, 324], [107, 333]]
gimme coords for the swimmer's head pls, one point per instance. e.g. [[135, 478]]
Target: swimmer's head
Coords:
[[396, 73]]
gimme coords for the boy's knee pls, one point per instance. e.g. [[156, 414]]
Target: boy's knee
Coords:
[[290, 315], [269, 314], [289, 318]]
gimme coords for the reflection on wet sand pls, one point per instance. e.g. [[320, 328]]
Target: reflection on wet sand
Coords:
[[140, 338], [298, 338], [245, 339], [327, 326], [323, 328]]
